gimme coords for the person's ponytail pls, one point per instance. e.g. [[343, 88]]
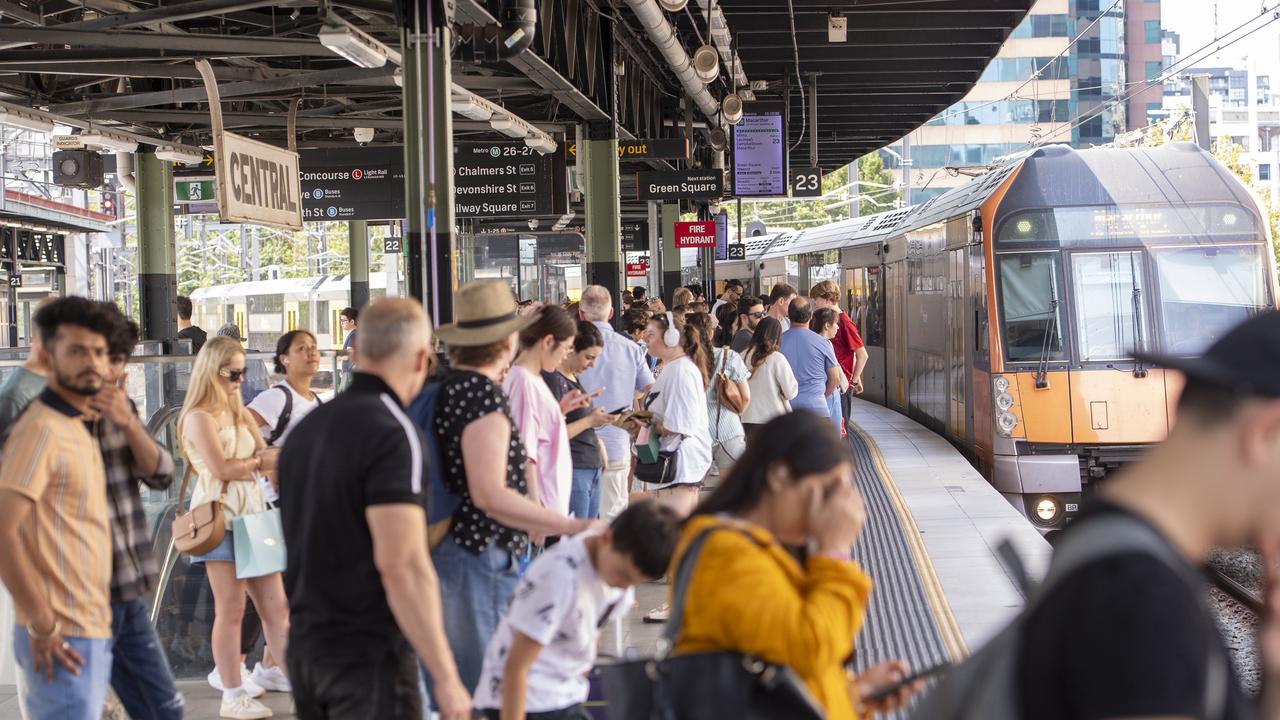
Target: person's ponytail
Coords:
[[694, 346]]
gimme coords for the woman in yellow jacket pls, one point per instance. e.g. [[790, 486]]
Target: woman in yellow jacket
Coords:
[[792, 488]]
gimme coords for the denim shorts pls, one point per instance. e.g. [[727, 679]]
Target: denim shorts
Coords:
[[225, 552]]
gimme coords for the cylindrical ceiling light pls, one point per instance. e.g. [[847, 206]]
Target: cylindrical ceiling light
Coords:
[[731, 108], [673, 6], [706, 63], [718, 139]]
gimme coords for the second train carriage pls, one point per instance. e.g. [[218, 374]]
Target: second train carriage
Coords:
[[1004, 314]]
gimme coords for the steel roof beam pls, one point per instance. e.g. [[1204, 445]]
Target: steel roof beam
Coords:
[[13, 10], [238, 119], [853, 12], [885, 38], [131, 69], [190, 43], [758, 21], [174, 13]]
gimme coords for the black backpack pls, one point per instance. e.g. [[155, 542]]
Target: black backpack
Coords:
[[285, 414]]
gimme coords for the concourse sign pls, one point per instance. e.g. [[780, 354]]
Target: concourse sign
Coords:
[[353, 183]]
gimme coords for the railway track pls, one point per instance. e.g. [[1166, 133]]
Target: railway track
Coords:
[[1241, 594]]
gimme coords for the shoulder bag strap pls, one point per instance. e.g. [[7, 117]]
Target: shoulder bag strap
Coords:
[[684, 574], [286, 412], [182, 490]]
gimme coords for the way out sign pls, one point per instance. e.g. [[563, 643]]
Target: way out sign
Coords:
[[696, 234], [257, 183]]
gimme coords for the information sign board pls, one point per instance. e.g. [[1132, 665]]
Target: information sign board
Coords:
[[193, 191], [651, 149], [259, 183], [722, 236], [737, 251], [635, 236], [806, 182], [679, 185], [353, 183], [392, 245], [696, 234], [506, 179], [759, 152]]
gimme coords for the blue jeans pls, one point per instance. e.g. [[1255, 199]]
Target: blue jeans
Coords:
[[140, 671], [68, 697], [475, 591], [584, 501], [835, 411]]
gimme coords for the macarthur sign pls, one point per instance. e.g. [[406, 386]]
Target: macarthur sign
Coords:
[[257, 183]]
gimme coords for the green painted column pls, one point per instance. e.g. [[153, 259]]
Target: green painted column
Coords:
[[428, 152], [603, 210], [157, 250], [358, 234], [670, 253]]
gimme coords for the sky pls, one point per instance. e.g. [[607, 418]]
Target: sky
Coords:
[[1194, 20]]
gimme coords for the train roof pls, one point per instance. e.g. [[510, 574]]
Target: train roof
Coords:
[[1051, 176], [285, 286]]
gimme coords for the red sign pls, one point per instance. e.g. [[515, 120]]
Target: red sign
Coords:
[[639, 269], [696, 234]]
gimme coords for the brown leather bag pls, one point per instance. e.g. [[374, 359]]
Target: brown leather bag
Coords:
[[201, 529], [727, 391]]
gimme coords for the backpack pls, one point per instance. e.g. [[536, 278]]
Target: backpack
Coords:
[[441, 504], [985, 686], [282, 423]]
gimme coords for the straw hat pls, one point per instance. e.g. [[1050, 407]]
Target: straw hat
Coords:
[[484, 312]]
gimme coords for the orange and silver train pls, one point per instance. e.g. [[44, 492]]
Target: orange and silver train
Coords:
[[1004, 314]]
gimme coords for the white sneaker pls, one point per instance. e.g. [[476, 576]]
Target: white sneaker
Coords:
[[246, 681], [270, 678], [243, 707]]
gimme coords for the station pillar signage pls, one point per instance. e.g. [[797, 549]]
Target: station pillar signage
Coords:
[[678, 185], [258, 183], [805, 182], [696, 234], [638, 269], [635, 236], [507, 179]]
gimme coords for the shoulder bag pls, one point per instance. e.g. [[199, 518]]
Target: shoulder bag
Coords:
[[727, 391], [202, 528], [703, 686]]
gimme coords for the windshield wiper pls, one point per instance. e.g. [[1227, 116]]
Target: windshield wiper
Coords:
[[1140, 345], [1046, 346]]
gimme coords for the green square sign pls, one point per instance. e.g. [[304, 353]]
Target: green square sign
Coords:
[[192, 191]]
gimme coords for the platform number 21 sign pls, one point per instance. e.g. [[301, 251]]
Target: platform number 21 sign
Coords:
[[806, 182]]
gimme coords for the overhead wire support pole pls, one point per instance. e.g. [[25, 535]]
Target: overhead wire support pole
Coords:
[[813, 119]]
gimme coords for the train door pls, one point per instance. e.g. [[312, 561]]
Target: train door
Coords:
[[896, 324], [959, 334], [861, 281]]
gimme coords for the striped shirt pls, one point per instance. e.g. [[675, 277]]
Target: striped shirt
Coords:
[[52, 460]]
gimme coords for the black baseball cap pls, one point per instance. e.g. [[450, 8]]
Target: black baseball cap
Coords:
[[1245, 360]]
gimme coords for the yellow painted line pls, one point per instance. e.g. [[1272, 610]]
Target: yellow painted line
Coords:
[[952, 638]]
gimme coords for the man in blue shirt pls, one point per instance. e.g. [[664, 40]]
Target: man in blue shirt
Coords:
[[621, 372], [812, 359]]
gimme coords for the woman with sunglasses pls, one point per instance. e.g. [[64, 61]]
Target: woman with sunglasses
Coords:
[[220, 440]]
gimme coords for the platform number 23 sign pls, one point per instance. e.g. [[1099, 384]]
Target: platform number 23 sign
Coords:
[[806, 182]]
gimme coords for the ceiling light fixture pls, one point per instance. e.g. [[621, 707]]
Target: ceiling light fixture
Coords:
[[837, 27], [179, 155], [24, 121], [354, 45], [731, 108], [542, 143], [108, 141], [706, 63], [509, 126]]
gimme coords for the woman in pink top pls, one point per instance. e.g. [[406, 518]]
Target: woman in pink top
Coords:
[[539, 417]]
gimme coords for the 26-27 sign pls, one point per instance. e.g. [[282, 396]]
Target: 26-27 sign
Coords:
[[806, 182]]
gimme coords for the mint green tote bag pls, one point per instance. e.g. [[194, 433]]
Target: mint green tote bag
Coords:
[[259, 544]]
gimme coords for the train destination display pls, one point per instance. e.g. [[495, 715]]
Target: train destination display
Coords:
[[506, 179], [759, 157]]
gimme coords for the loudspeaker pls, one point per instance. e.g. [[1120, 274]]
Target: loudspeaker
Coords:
[[706, 63], [77, 168], [731, 106], [672, 6]]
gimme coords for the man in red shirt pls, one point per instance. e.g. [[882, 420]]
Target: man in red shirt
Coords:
[[850, 351]]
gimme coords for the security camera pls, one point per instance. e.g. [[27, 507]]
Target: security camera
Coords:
[[533, 223], [363, 135]]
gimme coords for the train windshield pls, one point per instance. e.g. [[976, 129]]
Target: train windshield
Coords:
[[1206, 290], [1032, 306]]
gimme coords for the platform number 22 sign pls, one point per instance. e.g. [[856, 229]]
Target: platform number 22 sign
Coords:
[[806, 182]]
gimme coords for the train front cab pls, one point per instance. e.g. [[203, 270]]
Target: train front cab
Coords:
[[1072, 293]]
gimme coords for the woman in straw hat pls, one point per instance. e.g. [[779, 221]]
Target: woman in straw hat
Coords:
[[485, 467]]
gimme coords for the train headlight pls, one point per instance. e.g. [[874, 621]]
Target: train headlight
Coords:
[[1001, 384], [1004, 401], [1047, 509], [1006, 422], [1229, 219]]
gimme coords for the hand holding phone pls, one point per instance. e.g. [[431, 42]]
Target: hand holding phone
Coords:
[[890, 691]]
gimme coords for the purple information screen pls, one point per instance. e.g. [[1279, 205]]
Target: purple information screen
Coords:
[[759, 163]]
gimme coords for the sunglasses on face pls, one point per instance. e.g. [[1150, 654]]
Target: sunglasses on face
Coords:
[[232, 375]]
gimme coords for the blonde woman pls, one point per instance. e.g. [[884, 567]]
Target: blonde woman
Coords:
[[221, 441]]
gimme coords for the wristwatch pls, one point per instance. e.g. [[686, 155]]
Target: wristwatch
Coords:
[[36, 635]]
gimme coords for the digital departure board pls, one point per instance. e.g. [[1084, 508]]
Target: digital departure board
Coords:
[[759, 153]]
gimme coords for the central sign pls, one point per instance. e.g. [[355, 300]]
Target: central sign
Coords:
[[696, 234], [258, 183], [680, 185], [507, 179]]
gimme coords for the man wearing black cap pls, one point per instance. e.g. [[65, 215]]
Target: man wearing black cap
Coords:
[[1128, 634]]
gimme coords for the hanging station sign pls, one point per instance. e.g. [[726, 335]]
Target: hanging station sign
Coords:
[[258, 183], [353, 183], [653, 149], [696, 234], [722, 236], [507, 179], [759, 152], [675, 185], [635, 237]]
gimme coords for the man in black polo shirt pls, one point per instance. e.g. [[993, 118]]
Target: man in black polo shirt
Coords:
[[363, 596], [1129, 635]]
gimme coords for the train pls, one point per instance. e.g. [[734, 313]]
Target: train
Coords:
[[1005, 313]]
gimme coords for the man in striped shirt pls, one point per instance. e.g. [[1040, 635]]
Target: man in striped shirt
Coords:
[[55, 525]]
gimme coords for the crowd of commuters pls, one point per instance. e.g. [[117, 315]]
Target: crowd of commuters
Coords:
[[535, 438]]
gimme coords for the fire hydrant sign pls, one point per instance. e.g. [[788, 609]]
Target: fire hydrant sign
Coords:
[[696, 234], [257, 183]]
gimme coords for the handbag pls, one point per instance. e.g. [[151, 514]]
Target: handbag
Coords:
[[703, 686], [727, 391], [653, 464], [202, 528], [259, 544]]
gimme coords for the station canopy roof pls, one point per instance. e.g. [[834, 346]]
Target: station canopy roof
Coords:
[[128, 65]]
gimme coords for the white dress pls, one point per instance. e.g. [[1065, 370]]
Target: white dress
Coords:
[[243, 498], [680, 403]]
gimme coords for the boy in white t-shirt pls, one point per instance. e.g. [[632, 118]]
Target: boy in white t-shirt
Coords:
[[537, 662]]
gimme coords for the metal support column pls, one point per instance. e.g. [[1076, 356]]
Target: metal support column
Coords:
[[358, 234], [603, 208], [428, 152], [157, 250], [670, 253]]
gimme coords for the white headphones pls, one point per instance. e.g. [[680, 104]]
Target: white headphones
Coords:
[[672, 336]]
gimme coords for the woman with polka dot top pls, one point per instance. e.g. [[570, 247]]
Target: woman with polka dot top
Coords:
[[485, 467]]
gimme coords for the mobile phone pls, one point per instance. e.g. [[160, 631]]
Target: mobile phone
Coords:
[[620, 410], [885, 692]]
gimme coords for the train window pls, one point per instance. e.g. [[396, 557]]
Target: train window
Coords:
[[1032, 308], [1207, 290], [1110, 300]]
